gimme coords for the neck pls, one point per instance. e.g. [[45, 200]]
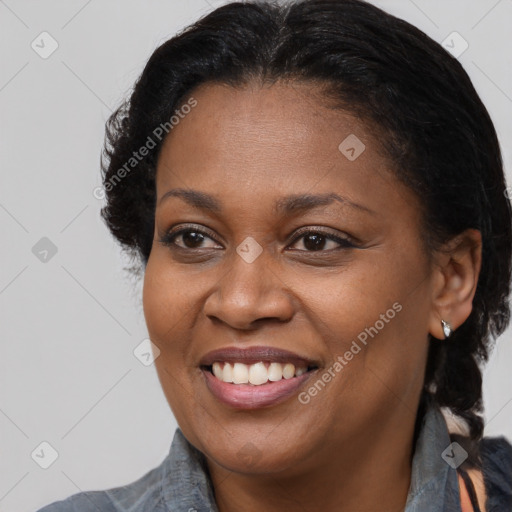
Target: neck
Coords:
[[368, 473]]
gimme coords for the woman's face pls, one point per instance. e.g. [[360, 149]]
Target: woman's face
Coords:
[[258, 268]]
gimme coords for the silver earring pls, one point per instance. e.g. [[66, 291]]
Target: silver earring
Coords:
[[447, 329]]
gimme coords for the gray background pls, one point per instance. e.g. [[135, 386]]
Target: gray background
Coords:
[[69, 325]]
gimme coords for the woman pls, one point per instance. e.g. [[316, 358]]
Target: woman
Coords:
[[316, 194]]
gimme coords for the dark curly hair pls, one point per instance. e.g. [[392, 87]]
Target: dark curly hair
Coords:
[[432, 124]]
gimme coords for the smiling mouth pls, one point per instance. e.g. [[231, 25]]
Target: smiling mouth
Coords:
[[260, 373]]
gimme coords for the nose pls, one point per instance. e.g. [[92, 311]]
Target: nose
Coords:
[[249, 294]]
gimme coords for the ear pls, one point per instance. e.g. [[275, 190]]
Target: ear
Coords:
[[455, 276]]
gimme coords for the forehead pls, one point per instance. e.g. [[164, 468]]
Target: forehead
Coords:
[[259, 141], [279, 121]]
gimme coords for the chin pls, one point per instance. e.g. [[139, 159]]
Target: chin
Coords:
[[248, 456]]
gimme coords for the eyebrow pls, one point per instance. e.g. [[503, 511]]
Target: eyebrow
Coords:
[[286, 206]]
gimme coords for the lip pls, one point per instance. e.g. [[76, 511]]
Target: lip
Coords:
[[252, 355], [247, 396]]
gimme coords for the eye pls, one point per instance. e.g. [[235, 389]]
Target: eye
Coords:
[[191, 238], [315, 240]]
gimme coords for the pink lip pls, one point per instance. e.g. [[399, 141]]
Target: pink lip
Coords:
[[251, 355], [247, 396]]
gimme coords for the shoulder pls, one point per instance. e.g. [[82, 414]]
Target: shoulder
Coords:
[[496, 455], [90, 501], [144, 494]]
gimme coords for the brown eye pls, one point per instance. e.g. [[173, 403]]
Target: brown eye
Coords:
[[191, 238], [315, 241]]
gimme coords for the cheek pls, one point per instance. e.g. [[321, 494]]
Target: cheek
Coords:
[[347, 302], [374, 321], [164, 301], [165, 314]]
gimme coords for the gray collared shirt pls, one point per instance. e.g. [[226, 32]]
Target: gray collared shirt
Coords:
[[181, 482]]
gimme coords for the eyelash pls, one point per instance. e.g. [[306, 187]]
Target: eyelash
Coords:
[[345, 243]]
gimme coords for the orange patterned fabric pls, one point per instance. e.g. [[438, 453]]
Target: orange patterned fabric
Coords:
[[465, 502]]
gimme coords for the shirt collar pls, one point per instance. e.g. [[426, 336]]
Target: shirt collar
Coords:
[[186, 485], [434, 484]]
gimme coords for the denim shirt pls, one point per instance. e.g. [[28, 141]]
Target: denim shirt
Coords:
[[181, 482]]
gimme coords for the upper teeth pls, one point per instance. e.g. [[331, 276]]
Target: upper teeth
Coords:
[[257, 374]]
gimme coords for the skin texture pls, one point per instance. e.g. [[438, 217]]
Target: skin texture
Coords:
[[350, 447]]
